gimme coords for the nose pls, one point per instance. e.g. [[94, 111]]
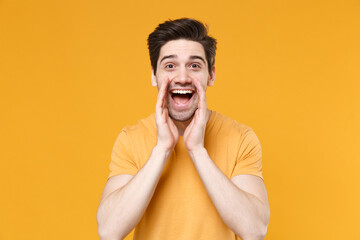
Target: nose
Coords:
[[183, 76]]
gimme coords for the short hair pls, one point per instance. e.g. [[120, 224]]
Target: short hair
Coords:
[[183, 28]]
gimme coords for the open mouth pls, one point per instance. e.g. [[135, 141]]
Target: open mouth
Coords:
[[181, 97]]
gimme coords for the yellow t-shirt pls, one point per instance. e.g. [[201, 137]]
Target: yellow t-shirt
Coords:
[[181, 208]]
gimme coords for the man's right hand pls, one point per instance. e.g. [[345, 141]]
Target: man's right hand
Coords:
[[167, 133], [126, 197]]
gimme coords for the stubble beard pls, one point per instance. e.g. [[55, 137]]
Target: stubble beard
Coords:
[[181, 116]]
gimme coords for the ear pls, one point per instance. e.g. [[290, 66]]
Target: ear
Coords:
[[212, 77], [153, 78]]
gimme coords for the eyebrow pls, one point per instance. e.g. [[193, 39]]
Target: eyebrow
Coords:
[[198, 57], [168, 56], [191, 57]]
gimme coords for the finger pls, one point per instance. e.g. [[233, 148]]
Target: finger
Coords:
[[202, 98], [164, 99], [162, 92], [161, 95], [197, 115], [189, 127], [172, 126], [165, 113]]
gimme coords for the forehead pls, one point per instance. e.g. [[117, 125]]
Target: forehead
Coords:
[[182, 48]]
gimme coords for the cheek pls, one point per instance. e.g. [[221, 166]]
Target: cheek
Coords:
[[202, 81], [164, 75]]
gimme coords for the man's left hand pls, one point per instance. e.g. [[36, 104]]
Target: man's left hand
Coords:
[[195, 132]]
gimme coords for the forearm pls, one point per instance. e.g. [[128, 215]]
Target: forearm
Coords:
[[242, 212], [120, 211]]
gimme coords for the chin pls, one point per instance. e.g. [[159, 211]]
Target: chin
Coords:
[[181, 116]]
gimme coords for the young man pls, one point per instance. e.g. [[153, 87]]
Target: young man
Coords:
[[185, 172]]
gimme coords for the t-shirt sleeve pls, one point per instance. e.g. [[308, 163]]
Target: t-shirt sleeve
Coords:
[[122, 157], [249, 159]]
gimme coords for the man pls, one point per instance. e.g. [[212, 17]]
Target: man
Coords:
[[185, 172]]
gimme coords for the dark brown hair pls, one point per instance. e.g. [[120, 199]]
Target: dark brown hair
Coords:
[[183, 28]]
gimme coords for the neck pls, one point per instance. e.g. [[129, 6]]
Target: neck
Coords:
[[182, 125]]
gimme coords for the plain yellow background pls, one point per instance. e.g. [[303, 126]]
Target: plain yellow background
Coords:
[[74, 73]]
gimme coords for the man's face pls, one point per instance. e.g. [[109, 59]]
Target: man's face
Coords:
[[184, 63]]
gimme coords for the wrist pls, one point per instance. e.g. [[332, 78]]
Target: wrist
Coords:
[[196, 152], [160, 150]]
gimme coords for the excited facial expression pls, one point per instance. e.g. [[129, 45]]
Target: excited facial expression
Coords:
[[183, 62]]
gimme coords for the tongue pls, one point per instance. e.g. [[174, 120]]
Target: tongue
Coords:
[[181, 98]]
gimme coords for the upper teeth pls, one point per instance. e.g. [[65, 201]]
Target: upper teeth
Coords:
[[182, 91]]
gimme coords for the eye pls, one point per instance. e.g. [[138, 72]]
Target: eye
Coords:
[[194, 65], [170, 66]]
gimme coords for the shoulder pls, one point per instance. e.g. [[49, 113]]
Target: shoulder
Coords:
[[233, 133], [145, 126], [222, 123], [138, 136]]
